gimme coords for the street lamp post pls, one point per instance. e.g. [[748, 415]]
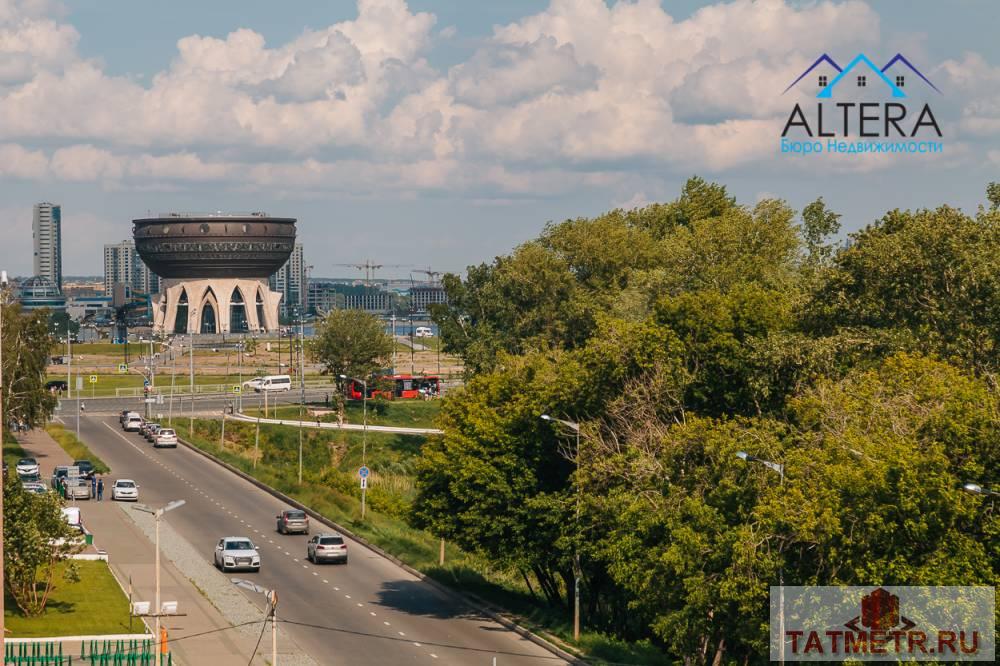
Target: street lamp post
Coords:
[[780, 470], [191, 382], [157, 514], [364, 435], [977, 489], [272, 611], [302, 388], [575, 427]]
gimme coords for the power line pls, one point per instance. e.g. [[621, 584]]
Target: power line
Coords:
[[263, 626]]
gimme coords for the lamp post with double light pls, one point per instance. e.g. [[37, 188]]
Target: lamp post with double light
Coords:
[[272, 610], [976, 489], [575, 427], [780, 470], [157, 514]]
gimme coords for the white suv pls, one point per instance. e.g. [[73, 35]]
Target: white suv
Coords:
[[132, 423], [236, 553], [125, 489]]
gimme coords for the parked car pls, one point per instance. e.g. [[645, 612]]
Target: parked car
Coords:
[[236, 553], [150, 430], [423, 332], [36, 487], [123, 415], [60, 472], [85, 466], [77, 489], [57, 385], [145, 427], [165, 438], [132, 422], [30, 478], [125, 489], [293, 521], [26, 466], [5, 468], [71, 514], [326, 548]]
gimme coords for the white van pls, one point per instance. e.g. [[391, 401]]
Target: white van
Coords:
[[133, 422], [274, 383], [423, 332]]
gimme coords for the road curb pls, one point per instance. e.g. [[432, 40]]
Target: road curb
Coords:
[[467, 599]]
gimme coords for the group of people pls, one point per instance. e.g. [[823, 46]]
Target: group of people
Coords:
[[18, 425], [96, 487]]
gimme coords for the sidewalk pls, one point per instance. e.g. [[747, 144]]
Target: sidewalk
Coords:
[[131, 555]]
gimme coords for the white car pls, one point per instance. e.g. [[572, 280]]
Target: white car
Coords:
[[253, 384], [125, 489], [236, 553], [27, 466], [423, 332], [165, 437], [133, 422]]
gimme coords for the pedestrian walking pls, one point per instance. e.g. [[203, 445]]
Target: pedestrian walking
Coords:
[[93, 485], [100, 490]]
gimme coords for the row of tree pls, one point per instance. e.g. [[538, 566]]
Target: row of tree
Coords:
[[680, 334]]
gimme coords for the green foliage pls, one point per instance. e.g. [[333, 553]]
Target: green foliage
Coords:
[[76, 449], [352, 343], [26, 344], [35, 539]]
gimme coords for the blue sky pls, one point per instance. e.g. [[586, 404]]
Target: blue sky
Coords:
[[440, 132]]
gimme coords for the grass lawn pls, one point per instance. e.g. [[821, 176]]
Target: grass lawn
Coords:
[[12, 451], [76, 449], [404, 413], [94, 605]]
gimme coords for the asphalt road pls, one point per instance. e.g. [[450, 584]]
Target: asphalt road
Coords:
[[203, 403], [366, 612]]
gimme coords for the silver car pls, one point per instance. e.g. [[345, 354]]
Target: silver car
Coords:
[[292, 520], [125, 489], [236, 553], [77, 489], [165, 437], [326, 548]]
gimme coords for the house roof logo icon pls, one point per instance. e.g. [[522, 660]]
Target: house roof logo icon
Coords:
[[861, 60]]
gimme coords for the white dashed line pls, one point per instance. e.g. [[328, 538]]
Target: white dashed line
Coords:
[[315, 574], [434, 655], [417, 644], [326, 581], [360, 604], [385, 622], [335, 587], [348, 596], [372, 613], [401, 633]]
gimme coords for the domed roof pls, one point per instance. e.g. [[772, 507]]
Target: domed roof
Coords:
[[39, 286]]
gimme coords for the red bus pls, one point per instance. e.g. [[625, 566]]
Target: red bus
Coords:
[[404, 387]]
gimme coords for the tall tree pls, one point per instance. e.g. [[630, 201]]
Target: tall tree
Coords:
[[26, 347], [352, 343]]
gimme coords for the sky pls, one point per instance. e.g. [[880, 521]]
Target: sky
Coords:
[[442, 133]]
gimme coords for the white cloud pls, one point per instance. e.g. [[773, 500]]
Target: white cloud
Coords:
[[582, 92]]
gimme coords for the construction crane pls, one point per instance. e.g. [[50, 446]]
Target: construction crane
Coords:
[[369, 267], [433, 275]]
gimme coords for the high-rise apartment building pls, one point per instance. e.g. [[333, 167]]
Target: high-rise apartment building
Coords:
[[46, 234], [123, 264], [290, 280]]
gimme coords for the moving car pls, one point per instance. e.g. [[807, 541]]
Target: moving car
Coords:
[[124, 415], [275, 383], [85, 466], [253, 383], [326, 548], [77, 489], [57, 385], [150, 430], [165, 438], [26, 466], [236, 553], [293, 521], [125, 489], [423, 332], [132, 422]]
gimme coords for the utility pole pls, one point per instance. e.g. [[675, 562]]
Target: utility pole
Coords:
[[191, 384], [302, 387], [157, 514]]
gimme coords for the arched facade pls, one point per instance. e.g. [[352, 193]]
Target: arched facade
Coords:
[[199, 306]]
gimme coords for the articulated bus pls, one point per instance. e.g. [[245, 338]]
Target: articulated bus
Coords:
[[404, 387]]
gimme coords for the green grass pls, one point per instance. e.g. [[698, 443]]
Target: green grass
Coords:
[[12, 451], [76, 449], [330, 487], [92, 606], [404, 413]]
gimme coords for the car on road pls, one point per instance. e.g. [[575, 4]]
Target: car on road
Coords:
[[145, 427], [123, 415], [77, 489], [293, 521], [253, 384], [36, 487], [132, 422], [423, 332], [125, 489], [57, 385], [233, 553], [165, 438], [326, 548], [26, 466], [275, 383], [30, 478], [150, 430], [85, 466], [60, 472]]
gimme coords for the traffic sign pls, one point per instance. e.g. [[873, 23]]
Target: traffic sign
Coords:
[[237, 388], [364, 472], [93, 379], [364, 482], [145, 382], [149, 401], [122, 368]]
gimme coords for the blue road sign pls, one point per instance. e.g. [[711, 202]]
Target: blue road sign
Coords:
[[364, 472], [145, 382]]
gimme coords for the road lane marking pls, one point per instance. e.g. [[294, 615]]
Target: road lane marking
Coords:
[[348, 596], [360, 604], [372, 613], [417, 644], [401, 633], [434, 655], [326, 581], [385, 622]]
